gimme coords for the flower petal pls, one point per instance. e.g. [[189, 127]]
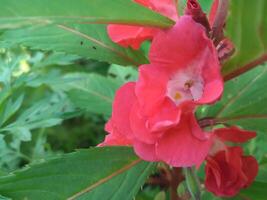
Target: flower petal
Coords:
[[180, 148], [129, 36], [122, 105], [151, 87], [115, 138], [133, 36], [235, 172], [149, 129], [145, 151], [186, 46], [234, 134], [250, 168], [179, 46], [120, 132], [167, 8]]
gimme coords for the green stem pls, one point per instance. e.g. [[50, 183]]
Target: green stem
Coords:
[[193, 183], [24, 156]]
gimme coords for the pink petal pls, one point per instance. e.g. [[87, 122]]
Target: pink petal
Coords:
[[164, 117], [211, 72], [122, 105], [234, 134], [186, 46], [179, 46], [149, 129], [151, 87], [166, 7], [131, 36], [139, 128], [114, 138], [180, 148], [145, 151], [118, 126], [212, 92]]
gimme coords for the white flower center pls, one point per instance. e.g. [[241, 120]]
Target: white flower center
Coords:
[[185, 85]]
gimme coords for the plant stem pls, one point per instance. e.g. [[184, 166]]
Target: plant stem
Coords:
[[27, 158], [220, 18], [176, 177], [246, 67]]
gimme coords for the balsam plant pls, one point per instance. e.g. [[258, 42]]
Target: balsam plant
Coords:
[[178, 86]]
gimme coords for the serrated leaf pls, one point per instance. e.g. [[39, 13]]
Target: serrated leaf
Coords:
[[94, 174], [18, 13], [85, 40], [247, 27]]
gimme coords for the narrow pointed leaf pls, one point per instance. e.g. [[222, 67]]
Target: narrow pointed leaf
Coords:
[[24, 12], [99, 173], [85, 40]]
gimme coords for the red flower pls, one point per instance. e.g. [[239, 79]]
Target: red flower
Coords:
[[229, 134], [133, 36], [155, 114], [228, 171]]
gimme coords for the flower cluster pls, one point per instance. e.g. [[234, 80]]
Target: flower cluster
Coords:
[[155, 114]]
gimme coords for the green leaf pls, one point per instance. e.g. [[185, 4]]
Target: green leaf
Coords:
[[98, 173], [47, 112], [95, 94], [85, 40], [10, 108], [247, 27], [62, 59], [4, 198], [122, 74], [18, 13], [161, 196], [257, 191], [243, 102]]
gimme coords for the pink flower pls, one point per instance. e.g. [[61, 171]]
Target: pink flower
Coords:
[[172, 145], [227, 169], [184, 65], [155, 114], [133, 36]]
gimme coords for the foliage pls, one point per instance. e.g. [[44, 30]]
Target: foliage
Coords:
[[59, 72]]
